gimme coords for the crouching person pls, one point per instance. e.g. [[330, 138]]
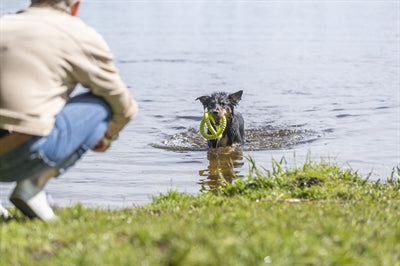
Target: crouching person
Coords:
[[45, 51]]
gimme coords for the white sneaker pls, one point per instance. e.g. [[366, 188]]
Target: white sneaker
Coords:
[[4, 213], [31, 201]]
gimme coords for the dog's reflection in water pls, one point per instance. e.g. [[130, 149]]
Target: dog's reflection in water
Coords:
[[223, 167]]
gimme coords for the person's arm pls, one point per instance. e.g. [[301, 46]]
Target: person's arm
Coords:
[[96, 71]]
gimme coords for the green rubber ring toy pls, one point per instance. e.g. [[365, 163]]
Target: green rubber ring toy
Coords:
[[215, 134]]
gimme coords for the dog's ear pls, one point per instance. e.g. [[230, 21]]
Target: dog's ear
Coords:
[[236, 97], [204, 100]]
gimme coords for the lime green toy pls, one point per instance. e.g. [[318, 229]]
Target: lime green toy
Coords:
[[208, 120]]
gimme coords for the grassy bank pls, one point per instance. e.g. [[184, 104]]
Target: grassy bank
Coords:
[[317, 214]]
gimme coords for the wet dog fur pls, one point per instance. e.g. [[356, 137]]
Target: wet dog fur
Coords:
[[223, 104]]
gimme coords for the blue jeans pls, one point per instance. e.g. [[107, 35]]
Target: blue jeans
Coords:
[[78, 127]]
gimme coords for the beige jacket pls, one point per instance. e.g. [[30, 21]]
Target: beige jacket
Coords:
[[44, 53]]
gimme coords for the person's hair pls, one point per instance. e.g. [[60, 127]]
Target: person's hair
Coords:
[[64, 5]]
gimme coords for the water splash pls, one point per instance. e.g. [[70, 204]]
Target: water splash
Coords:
[[263, 138]]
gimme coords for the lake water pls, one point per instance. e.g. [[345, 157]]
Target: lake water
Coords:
[[320, 79]]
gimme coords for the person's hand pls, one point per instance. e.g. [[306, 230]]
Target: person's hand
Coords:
[[103, 144]]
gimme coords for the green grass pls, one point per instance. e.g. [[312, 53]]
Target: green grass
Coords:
[[317, 214]]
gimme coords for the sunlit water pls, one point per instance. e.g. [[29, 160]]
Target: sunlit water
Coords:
[[319, 80]]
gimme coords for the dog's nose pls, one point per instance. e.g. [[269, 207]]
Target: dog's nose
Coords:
[[215, 112]]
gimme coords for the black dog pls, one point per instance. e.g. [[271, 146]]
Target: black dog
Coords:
[[222, 104]]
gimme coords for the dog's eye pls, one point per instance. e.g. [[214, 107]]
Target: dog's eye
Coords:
[[222, 102]]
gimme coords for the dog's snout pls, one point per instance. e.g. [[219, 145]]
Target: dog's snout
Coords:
[[216, 114]]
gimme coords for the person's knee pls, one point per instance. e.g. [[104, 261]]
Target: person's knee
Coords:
[[90, 98], [80, 124]]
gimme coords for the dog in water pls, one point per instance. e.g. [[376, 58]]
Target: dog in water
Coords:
[[221, 104]]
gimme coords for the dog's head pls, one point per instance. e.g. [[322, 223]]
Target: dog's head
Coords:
[[221, 104]]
